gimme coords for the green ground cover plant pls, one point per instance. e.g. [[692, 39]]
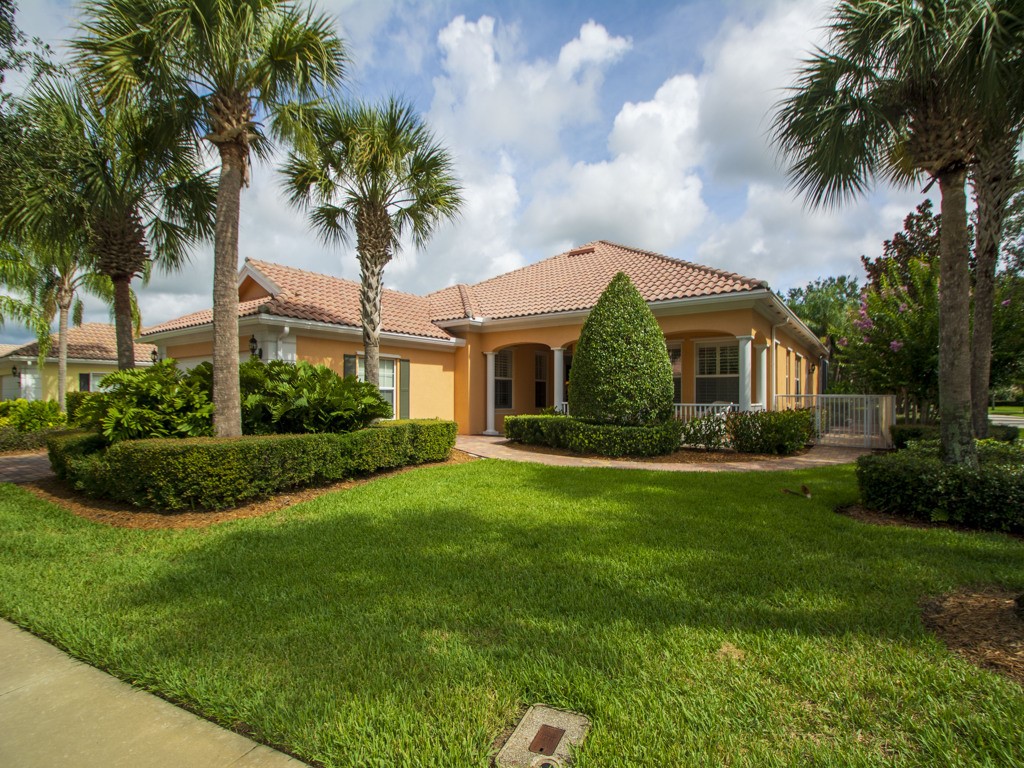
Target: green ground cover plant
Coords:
[[405, 622], [25, 425]]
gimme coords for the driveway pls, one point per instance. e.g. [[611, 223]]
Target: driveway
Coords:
[[24, 467]]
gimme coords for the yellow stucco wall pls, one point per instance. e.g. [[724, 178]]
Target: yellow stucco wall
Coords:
[[49, 378], [431, 373], [201, 349]]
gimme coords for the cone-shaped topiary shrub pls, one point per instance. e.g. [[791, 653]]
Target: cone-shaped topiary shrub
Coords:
[[621, 373]]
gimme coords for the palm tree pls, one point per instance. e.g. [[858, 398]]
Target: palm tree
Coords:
[[995, 178], [901, 90], [51, 281], [124, 177], [379, 172], [224, 64]]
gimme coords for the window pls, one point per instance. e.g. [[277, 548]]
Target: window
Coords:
[[503, 380], [675, 356], [789, 366], [718, 373], [90, 382], [540, 380], [387, 376], [798, 379]]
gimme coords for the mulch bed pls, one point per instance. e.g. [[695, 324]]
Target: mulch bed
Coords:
[[982, 626], [682, 456], [126, 516]]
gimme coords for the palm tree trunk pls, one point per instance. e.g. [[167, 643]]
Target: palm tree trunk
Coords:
[[993, 186], [227, 406], [123, 325], [371, 279], [954, 323], [62, 351]]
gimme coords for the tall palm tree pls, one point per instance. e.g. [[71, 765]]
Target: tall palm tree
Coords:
[[901, 90], [226, 64], [51, 280], [379, 172], [995, 178], [123, 176]]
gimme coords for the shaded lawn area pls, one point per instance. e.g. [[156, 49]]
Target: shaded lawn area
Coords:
[[696, 619], [1007, 410]]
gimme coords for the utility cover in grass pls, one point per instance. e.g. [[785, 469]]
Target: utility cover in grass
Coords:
[[621, 373]]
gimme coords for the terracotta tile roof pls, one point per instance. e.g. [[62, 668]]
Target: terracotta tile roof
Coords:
[[7, 348], [575, 279], [311, 296], [91, 341]]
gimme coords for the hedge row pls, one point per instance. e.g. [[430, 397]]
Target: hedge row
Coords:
[[781, 432], [916, 484], [212, 473], [13, 440], [602, 439]]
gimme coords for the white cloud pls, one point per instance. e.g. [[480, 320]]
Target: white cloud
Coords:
[[647, 194]]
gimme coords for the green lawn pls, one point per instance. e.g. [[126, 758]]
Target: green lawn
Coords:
[[1007, 410], [407, 621]]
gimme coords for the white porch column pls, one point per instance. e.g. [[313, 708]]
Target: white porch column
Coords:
[[762, 375], [744, 371], [559, 377], [490, 395]]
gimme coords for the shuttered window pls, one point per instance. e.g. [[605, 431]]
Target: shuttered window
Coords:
[[718, 373]]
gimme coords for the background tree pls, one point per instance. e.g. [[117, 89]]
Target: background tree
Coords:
[[901, 89], [826, 306], [378, 172], [227, 66], [124, 177]]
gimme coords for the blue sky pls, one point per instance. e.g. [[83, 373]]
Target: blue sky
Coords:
[[636, 121]]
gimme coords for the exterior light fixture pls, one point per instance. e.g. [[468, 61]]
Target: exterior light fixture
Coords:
[[254, 347], [154, 356], [813, 367], [14, 370]]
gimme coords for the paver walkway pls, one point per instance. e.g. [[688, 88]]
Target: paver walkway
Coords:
[[56, 711], [24, 467], [498, 448]]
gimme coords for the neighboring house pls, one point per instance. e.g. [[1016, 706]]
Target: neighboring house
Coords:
[[92, 354], [476, 353]]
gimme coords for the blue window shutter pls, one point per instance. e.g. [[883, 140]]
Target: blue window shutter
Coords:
[[403, 389], [349, 368]]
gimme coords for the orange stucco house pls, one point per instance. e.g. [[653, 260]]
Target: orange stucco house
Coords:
[[476, 353]]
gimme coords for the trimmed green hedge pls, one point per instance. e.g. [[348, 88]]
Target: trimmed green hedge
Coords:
[[602, 439], [13, 440], [781, 432], [212, 473], [916, 484]]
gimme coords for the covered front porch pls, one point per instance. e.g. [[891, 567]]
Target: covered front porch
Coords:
[[712, 372]]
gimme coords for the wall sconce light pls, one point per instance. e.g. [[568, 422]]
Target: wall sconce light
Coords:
[[813, 367], [14, 371], [154, 356], [254, 348]]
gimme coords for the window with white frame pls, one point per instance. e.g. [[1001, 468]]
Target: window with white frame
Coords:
[[675, 356], [90, 382], [503, 380], [387, 374], [789, 371], [798, 377], [718, 373]]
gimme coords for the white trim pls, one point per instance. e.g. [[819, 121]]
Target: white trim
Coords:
[[264, 282]]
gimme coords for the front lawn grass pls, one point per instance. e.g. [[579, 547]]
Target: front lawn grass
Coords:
[[697, 619], [1007, 410]]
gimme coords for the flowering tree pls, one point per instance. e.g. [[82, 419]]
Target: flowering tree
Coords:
[[894, 346]]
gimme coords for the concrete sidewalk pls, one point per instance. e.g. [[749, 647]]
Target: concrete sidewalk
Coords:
[[56, 711], [24, 467], [498, 448]]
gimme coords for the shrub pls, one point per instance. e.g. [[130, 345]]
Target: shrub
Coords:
[[280, 397], [73, 403], [1004, 433], [621, 372], [603, 439], [139, 403], [916, 484], [707, 432], [781, 432], [213, 473], [15, 441], [902, 434], [31, 415]]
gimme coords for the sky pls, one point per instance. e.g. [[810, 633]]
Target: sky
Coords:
[[642, 122]]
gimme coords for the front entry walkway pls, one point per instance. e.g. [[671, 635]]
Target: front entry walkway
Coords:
[[56, 711], [498, 448]]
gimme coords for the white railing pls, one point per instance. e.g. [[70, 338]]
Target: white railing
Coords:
[[847, 420], [691, 411]]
